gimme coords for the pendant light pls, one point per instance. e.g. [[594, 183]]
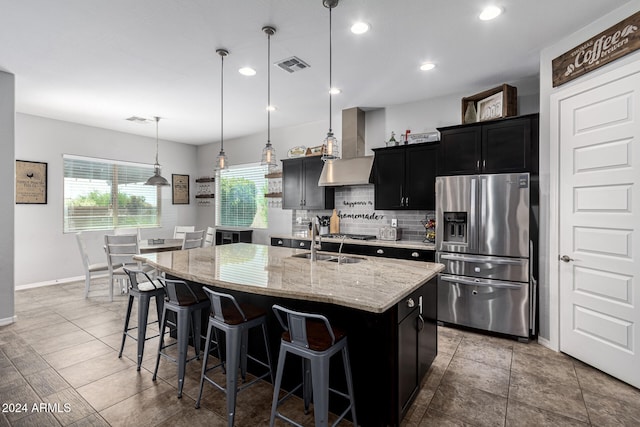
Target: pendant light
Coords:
[[157, 179], [268, 152], [331, 150], [221, 160]]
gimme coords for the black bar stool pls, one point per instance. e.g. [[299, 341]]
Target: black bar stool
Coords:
[[187, 304], [312, 337], [144, 291], [235, 320]]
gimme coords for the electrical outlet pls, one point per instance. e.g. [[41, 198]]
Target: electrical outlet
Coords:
[[394, 222], [299, 220]]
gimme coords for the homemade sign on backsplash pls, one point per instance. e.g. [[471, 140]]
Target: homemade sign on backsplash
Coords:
[[355, 208], [611, 44]]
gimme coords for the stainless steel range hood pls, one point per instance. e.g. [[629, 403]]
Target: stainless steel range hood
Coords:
[[354, 168]]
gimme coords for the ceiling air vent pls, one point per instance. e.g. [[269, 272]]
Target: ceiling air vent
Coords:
[[136, 119], [292, 64]]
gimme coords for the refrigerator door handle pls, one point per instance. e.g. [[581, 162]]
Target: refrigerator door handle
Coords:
[[472, 234], [478, 282], [483, 259]]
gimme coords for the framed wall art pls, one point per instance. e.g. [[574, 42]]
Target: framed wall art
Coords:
[[180, 189], [31, 182]]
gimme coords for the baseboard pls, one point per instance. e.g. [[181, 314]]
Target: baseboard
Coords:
[[50, 282], [546, 343], [8, 320]]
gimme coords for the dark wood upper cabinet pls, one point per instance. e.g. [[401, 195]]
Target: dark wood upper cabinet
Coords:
[[300, 188], [500, 146], [404, 177]]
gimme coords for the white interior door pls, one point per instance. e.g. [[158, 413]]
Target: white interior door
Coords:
[[599, 213]]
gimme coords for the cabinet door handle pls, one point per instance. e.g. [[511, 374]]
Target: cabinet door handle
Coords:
[[302, 244], [380, 251], [415, 254], [304, 202], [411, 303], [401, 201], [280, 242], [406, 201], [478, 165], [484, 164]]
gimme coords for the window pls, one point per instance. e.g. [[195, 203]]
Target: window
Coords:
[[240, 200], [105, 194]]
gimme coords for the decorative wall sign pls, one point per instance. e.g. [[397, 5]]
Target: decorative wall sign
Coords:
[[180, 189], [490, 108], [611, 44], [31, 182]]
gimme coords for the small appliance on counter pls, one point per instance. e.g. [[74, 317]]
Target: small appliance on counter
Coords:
[[390, 233]]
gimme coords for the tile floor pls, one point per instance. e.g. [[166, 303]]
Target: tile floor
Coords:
[[62, 351]]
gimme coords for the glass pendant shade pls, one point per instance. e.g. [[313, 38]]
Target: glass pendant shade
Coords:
[[221, 161], [331, 151], [269, 156], [268, 152], [157, 179]]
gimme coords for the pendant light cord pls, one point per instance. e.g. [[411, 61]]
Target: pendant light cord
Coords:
[[157, 120], [268, 88], [222, 103], [330, 68]]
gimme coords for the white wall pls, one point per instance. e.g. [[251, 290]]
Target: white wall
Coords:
[[548, 304], [43, 253], [7, 176], [421, 116]]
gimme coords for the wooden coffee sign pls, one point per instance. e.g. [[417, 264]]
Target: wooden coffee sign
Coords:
[[611, 44]]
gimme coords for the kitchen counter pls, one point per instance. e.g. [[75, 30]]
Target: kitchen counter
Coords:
[[388, 308], [405, 244], [373, 285]]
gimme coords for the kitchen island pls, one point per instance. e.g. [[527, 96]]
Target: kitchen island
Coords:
[[387, 306]]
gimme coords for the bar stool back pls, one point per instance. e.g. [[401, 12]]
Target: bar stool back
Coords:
[[312, 337], [187, 303], [235, 320], [144, 291]]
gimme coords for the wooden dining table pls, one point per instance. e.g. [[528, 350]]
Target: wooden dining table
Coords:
[[159, 245]]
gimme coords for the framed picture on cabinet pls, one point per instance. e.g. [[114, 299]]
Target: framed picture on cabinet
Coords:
[[31, 182], [180, 189]]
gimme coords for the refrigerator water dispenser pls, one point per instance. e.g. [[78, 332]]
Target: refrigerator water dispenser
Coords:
[[455, 227]]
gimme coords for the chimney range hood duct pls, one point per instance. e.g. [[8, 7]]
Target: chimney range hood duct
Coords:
[[354, 168]]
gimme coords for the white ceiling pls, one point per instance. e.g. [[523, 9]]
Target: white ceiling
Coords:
[[99, 62]]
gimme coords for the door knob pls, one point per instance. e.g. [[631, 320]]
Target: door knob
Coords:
[[566, 258]]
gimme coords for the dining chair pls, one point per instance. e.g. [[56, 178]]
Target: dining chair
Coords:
[[179, 230], [123, 231], [193, 239], [120, 250], [209, 237], [90, 269]]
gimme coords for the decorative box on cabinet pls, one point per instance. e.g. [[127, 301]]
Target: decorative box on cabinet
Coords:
[[404, 177], [499, 146], [300, 188]]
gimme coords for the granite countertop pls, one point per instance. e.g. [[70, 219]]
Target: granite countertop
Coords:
[[373, 285], [408, 244]]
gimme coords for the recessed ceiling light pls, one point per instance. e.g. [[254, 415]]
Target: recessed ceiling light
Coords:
[[490, 12], [427, 66], [360, 28], [334, 91], [247, 71]]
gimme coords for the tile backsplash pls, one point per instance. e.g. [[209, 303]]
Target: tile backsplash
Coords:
[[355, 207]]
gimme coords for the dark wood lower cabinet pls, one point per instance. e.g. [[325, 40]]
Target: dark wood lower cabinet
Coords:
[[390, 352]]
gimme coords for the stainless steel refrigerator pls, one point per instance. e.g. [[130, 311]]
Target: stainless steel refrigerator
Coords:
[[483, 239]]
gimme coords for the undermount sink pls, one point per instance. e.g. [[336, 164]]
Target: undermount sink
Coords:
[[330, 258], [346, 259], [319, 257]]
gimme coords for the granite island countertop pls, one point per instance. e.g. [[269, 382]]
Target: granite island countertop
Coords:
[[373, 285]]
